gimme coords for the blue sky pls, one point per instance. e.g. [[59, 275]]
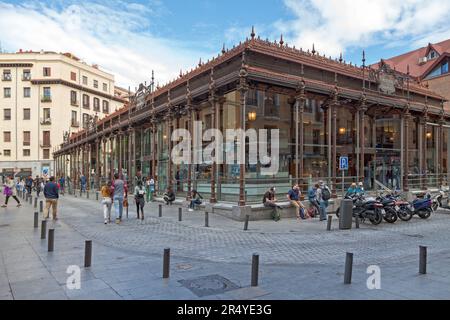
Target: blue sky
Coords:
[[131, 38]]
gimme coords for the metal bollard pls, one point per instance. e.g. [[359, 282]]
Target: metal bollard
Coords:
[[206, 219], [35, 202], [247, 217], [51, 240], [422, 260], [41, 206], [36, 219], [87, 253], [81, 193], [348, 268], [255, 269], [330, 219], [166, 263], [160, 211], [31, 199], [180, 214], [43, 228], [87, 194], [357, 222], [96, 196]]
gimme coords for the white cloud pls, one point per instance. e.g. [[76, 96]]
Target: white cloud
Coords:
[[336, 25], [115, 36]]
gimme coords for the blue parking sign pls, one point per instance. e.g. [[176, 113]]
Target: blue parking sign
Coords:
[[343, 163]]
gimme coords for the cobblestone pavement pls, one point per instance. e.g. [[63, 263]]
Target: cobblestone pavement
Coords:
[[299, 260], [285, 242]]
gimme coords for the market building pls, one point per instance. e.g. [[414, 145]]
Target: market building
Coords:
[[393, 129]]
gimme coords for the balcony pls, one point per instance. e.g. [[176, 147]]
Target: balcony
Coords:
[[26, 143], [6, 77], [74, 103], [45, 144], [46, 121], [75, 123], [26, 77], [46, 99]]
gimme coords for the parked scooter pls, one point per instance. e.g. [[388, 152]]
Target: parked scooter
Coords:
[[421, 207], [388, 202], [439, 199]]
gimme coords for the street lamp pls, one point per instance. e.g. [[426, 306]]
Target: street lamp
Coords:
[[252, 116]]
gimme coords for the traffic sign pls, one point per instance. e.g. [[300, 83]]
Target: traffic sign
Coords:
[[343, 163]]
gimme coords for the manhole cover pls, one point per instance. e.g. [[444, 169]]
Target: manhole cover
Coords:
[[209, 285]]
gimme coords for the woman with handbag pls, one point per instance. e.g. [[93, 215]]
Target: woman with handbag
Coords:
[[10, 191], [139, 197]]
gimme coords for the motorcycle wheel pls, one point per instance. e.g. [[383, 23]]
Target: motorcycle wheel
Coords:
[[405, 214], [435, 206], [376, 217], [390, 216], [425, 214]]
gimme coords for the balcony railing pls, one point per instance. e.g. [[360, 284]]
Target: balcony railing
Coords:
[[74, 103], [26, 77], [26, 143], [45, 144], [75, 123], [6, 77], [46, 99], [46, 121]]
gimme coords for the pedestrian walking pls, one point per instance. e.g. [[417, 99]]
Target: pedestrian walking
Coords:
[[83, 182], [29, 184], [62, 183], [10, 190], [151, 185], [107, 194], [118, 197], [51, 194], [139, 197]]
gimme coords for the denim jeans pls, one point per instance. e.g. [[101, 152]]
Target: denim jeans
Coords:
[[194, 202], [118, 207], [323, 209]]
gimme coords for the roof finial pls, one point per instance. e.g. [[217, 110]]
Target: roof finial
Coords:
[[181, 73], [340, 58], [313, 50], [223, 48], [281, 40], [364, 58], [253, 33], [200, 62], [407, 70]]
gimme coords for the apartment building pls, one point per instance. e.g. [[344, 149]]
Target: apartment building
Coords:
[[44, 95]]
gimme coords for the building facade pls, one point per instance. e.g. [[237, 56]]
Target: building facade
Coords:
[[394, 131], [44, 95], [428, 65]]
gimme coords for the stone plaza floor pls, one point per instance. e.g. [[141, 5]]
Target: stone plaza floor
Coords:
[[298, 260]]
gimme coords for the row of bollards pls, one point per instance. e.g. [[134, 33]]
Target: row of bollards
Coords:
[[349, 264], [254, 272], [51, 238], [180, 215]]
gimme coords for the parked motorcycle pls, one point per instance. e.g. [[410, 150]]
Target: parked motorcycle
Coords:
[[388, 202], [439, 199], [421, 207], [366, 208]]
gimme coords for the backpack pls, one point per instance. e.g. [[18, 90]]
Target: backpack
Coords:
[[326, 194], [311, 194]]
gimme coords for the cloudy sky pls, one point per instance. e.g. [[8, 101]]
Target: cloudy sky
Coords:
[[131, 38]]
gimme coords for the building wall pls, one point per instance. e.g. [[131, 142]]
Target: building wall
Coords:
[[60, 105], [441, 85]]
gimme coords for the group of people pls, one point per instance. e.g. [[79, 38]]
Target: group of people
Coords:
[[318, 196], [49, 187]]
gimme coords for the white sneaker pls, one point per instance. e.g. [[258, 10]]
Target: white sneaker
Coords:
[[106, 221], [190, 210]]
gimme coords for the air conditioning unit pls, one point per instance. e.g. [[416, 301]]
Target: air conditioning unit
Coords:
[[423, 60]]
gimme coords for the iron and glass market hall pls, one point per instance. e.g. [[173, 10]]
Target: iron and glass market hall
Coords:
[[393, 129]]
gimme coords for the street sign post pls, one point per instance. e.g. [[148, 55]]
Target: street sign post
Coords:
[[343, 166]]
